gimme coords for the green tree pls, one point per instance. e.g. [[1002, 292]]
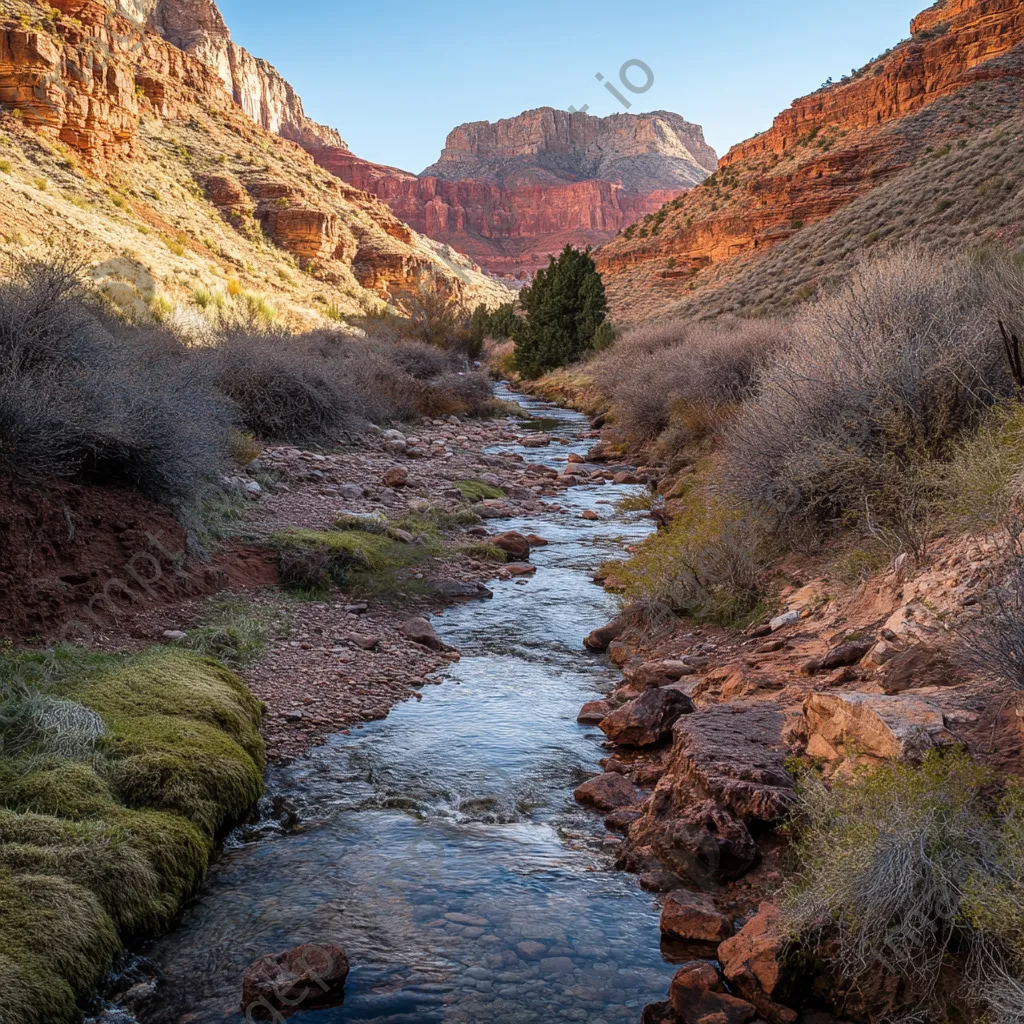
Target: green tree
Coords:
[[504, 323], [564, 306]]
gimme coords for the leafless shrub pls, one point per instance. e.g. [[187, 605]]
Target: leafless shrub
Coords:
[[82, 395], [880, 378], [667, 374], [887, 863], [994, 639]]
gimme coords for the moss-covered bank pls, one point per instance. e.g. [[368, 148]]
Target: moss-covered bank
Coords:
[[116, 776]]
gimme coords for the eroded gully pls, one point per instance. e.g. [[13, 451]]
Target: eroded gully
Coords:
[[441, 848]]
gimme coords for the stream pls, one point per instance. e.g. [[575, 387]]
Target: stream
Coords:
[[441, 847]]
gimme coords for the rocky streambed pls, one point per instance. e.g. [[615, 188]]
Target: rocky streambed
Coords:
[[442, 848]]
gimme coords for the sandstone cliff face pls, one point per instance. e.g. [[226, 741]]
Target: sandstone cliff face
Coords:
[[510, 193], [197, 27], [124, 100], [820, 155]]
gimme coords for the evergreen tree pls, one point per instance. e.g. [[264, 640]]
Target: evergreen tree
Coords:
[[564, 306]]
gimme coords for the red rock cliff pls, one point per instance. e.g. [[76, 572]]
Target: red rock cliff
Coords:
[[825, 150], [510, 193]]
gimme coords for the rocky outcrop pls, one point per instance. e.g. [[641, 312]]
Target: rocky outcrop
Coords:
[[822, 153], [106, 79], [510, 193], [873, 726], [198, 28]]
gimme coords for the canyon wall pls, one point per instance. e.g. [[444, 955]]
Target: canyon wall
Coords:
[[822, 153], [510, 193], [122, 88]]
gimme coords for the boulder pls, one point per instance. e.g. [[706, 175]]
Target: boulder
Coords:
[[841, 656], [648, 720], [703, 843], [607, 792], [420, 631], [920, 666], [594, 712], [783, 620], [308, 976], [658, 673], [515, 545], [536, 542], [693, 917], [396, 476], [876, 726], [576, 459], [752, 963], [352, 492], [698, 996], [601, 638], [734, 754]]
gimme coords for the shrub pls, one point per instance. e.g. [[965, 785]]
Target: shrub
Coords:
[[82, 395], [282, 387], [880, 379], [230, 631], [707, 564], [660, 372], [904, 867], [564, 307]]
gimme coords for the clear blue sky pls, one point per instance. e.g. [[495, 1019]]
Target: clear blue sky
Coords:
[[395, 78]]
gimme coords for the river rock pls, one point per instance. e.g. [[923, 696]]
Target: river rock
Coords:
[[420, 631], [535, 541], [841, 656], [396, 476], [698, 996], [594, 712], [646, 721], [457, 590], [752, 962], [874, 726], [601, 638], [693, 917], [535, 441], [307, 976], [515, 545], [607, 792], [576, 459]]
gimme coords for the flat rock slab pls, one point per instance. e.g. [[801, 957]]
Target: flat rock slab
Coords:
[[693, 917], [881, 726], [735, 755]]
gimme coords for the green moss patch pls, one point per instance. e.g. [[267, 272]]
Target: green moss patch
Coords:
[[477, 490], [106, 844]]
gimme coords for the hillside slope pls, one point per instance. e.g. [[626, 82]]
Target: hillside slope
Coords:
[[172, 170], [512, 192], [919, 145]]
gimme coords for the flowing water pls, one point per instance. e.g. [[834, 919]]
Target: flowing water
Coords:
[[441, 848]]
